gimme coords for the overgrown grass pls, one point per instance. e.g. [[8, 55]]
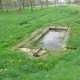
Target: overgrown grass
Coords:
[[17, 25]]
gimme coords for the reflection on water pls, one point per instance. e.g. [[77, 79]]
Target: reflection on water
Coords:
[[53, 40]]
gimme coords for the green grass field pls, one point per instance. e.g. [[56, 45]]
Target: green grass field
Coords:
[[17, 25]]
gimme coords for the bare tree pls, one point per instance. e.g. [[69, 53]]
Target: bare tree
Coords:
[[7, 5], [77, 1], [19, 4], [23, 3], [0, 4], [47, 3], [41, 3], [68, 1], [55, 3], [31, 3]]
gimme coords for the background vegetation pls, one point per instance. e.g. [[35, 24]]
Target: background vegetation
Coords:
[[21, 4]]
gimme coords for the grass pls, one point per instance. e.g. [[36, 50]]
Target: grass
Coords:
[[17, 25]]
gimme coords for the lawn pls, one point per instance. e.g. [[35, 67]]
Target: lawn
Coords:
[[17, 25]]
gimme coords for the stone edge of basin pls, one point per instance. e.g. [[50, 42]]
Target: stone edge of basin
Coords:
[[46, 30], [65, 39], [42, 33]]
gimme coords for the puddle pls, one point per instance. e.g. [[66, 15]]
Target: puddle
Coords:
[[53, 40]]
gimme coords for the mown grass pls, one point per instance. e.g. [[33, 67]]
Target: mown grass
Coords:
[[17, 25]]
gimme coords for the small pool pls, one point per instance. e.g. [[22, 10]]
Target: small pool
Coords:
[[53, 40]]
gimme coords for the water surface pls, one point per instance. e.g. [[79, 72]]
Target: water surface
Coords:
[[53, 40]]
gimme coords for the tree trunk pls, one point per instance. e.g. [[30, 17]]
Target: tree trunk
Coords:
[[78, 1], [0, 4], [60, 1], [23, 4], [31, 3], [41, 2], [7, 5], [28, 6], [55, 3], [47, 2], [19, 4]]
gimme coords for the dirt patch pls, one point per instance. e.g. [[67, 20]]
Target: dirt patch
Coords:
[[38, 53], [33, 52], [78, 22]]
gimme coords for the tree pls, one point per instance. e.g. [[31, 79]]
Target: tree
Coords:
[[55, 3], [41, 3], [23, 3], [7, 5], [19, 4], [68, 1], [77, 1], [31, 3], [47, 2], [0, 4]]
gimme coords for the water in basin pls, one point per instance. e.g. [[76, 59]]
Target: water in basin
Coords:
[[53, 40]]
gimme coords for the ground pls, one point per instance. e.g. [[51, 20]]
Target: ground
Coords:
[[15, 26]]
